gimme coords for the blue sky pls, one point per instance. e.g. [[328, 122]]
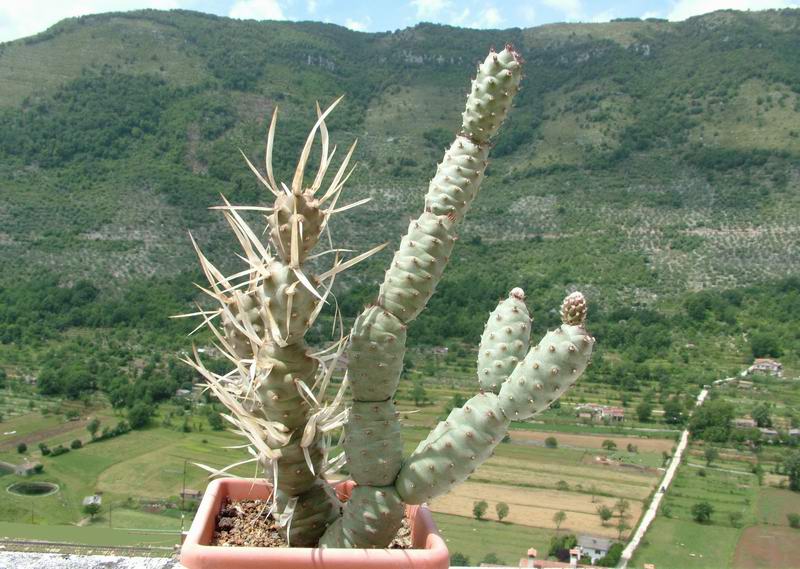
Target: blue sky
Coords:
[[20, 18]]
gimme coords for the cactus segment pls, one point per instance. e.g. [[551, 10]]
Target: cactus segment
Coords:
[[493, 88], [417, 266], [453, 450], [313, 511], [458, 178], [296, 211], [375, 521], [548, 370], [504, 342], [294, 476], [574, 309], [290, 304], [244, 309], [375, 358], [373, 443], [274, 383]]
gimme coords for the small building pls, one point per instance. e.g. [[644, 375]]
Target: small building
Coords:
[[766, 365], [94, 499], [768, 434], [794, 432], [597, 413], [183, 393], [190, 494], [594, 547], [744, 423], [27, 468]]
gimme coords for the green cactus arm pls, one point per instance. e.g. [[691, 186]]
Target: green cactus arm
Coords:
[[458, 445], [504, 341], [377, 342]]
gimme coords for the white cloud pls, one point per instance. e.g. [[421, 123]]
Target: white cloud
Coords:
[[528, 14], [257, 10], [25, 18], [311, 6], [604, 16], [430, 8], [652, 14], [358, 25], [687, 8], [572, 9], [489, 18], [461, 19]]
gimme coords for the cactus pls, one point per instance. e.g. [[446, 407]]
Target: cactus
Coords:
[[278, 390]]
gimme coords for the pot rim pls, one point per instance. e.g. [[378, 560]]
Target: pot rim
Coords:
[[429, 552]]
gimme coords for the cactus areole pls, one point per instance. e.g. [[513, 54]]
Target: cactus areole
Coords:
[[279, 390]]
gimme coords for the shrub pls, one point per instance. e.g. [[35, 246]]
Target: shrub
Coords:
[[794, 520], [612, 557], [38, 468], [44, 449], [22, 448], [76, 444], [551, 442], [59, 450], [609, 444], [458, 559]]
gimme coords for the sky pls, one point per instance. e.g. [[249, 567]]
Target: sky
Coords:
[[20, 18]]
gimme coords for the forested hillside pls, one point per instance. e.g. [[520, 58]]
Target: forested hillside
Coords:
[[653, 165]]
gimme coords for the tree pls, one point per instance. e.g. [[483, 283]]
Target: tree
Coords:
[[139, 415], [609, 445], [458, 559], [93, 426], [791, 467], [22, 448], [562, 485], [560, 546], [551, 442], [711, 454], [701, 512], [765, 345], [558, 518], [673, 411], [622, 526], [622, 506], [712, 421], [761, 414], [605, 513], [479, 509], [91, 510], [76, 444], [215, 421], [794, 520], [418, 393], [644, 411], [502, 510]]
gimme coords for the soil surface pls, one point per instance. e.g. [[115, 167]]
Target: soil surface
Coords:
[[245, 523]]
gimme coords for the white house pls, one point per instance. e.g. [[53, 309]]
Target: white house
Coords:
[[594, 547]]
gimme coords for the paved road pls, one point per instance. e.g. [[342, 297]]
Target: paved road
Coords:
[[650, 514]]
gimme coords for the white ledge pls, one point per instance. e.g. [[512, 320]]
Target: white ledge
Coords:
[[23, 560]]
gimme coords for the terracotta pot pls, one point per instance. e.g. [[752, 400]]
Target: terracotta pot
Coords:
[[430, 551]]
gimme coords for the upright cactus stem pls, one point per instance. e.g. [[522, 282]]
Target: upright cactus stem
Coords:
[[277, 391]]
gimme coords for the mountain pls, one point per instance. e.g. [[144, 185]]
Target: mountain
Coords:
[[645, 160]]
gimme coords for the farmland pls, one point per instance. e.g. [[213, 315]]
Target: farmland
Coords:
[[140, 475]]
